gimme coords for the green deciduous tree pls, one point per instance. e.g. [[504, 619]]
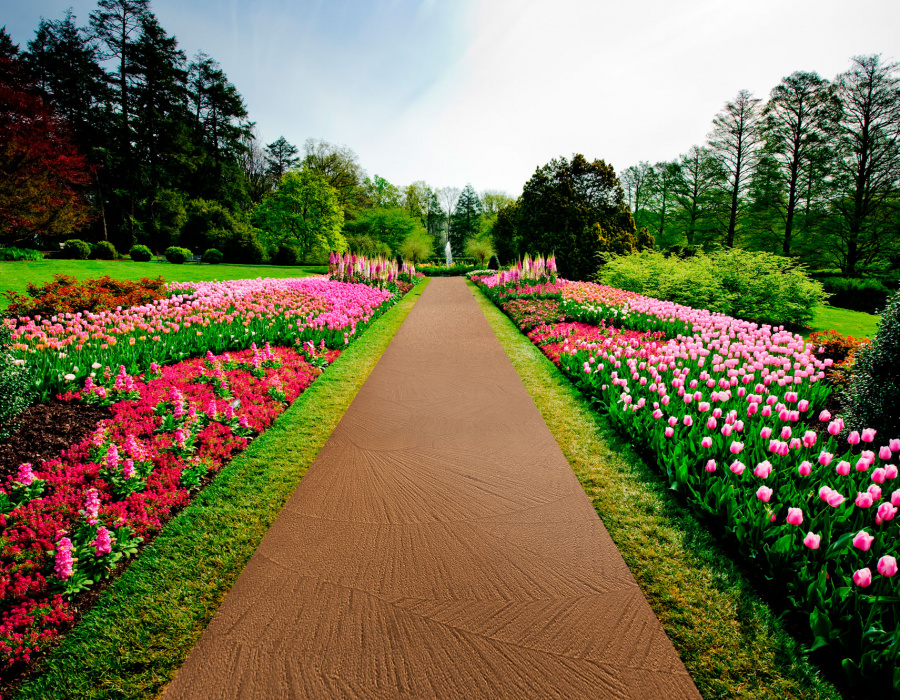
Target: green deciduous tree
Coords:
[[304, 211], [390, 226], [575, 210], [380, 193], [340, 167]]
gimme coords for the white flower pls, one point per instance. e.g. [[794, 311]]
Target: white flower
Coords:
[[93, 374], [96, 365], [74, 369], [69, 377], [19, 363], [62, 356]]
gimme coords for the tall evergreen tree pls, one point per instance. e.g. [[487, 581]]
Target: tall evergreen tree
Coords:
[[698, 174], [281, 156], [465, 220]]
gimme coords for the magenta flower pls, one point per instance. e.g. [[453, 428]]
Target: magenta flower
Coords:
[[824, 416], [895, 498], [868, 435], [795, 516], [706, 442], [825, 492], [669, 432], [128, 468], [736, 447], [764, 493], [863, 541], [825, 458], [887, 565], [804, 469], [862, 578], [763, 469], [673, 421], [862, 464], [879, 475], [803, 406], [890, 471], [765, 433], [688, 421], [103, 542], [812, 540], [24, 475], [853, 438], [864, 499], [737, 467], [809, 438], [894, 444], [711, 466], [835, 499], [91, 506], [843, 467], [786, 432], [64, 564], [884, 452], [887, 511]]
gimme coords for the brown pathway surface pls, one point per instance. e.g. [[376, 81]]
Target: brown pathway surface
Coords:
[[439, 547]]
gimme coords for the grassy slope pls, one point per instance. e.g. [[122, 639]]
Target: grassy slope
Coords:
[[845, 322], [729, 640], [14, 276], [135, 639]]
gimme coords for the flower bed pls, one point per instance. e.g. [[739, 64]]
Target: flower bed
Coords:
[[732, 413]]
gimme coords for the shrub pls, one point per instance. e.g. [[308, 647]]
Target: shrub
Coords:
[[20, 254], [177, 255], [868, 295], [755, 286], [285, 255], [140, 253], [494, 263], [15, 386], [76, 249], [65, 294], [104, 250], [212, 256], [873, 398], [480, 249]]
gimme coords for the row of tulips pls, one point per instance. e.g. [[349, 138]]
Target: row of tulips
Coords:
[[734, 414], [195, 318]]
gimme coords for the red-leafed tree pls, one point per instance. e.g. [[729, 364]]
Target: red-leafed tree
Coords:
[[41, 170]]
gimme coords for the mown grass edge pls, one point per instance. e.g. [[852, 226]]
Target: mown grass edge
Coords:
[[730, 641], [131, 644]]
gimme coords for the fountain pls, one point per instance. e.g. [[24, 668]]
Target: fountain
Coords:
[[448, 254]]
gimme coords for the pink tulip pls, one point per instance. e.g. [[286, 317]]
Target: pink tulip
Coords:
[[843, 468], [825, 492], [763, 469], [864, 499], [737, 467], [879, 475], [834, 427], [868, 435], [688, 421], [886, 511], [803, 406], [766, 411], [764, 493], [669, 432], [805, 468], [706, 442], [786, 432], [736, 447], [890, 471], [862, 464], [711, 466], [812, 540], [884, 452], [835, 499], [795, 516], [863, 541], [795, 444], [894, 444], [895, 498], [726, 430], [862, 578], [703, 407], [765, 433], [711, 423], [673, 421], [824, 416], [657, 414], [825, 458], [887, 565], [853, 438], [717, 413], [791, 397]]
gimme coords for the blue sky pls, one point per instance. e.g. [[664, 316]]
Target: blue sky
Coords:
[[457, 91]]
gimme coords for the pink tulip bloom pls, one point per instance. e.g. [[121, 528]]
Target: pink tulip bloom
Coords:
[[868, 435], [824, 416], [737, 467], [711, 423], [786, 432], [765, 433], [766, 411], [812, 540], [843, 468], [834, 427], [874, 491], [657, 414], [803, 406], [703, 407], [809, 438], [886, 511], [736, 447], [711, 466], [825, 458], [853, 438], [895, 498], [835, 499], [862, 464], [706, 442], [669, 432], [764, 493], [890, 471], [795, 444], [717, 413], [673, 421], [864, 499], [863, 541], [894, 444], [688, 421], [862, 578], [879, 475], [887, 565], [805, 468], [763, 469], [726, 430], [884, 452], [795, 516]]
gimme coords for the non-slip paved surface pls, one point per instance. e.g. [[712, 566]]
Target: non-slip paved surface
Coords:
[[439, 547]]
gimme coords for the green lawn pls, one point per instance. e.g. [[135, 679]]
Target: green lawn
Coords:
[[15, 276], [845, 322], [134, 640], [728, 638]]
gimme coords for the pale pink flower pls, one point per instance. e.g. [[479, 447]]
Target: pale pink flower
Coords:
[[763, 469], [863, 541], [706, 442], [825, 458], [711, 466], [862, 578], [887, 565], [805, 468], [864, 499], [886, 511], [843, 467], [868, 435], [795, 516], [764, 493], [853, 438], [737, 467], [812, 540], [884, 452], [736, 447]]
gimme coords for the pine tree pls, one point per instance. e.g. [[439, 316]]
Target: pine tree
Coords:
[[464, 223], [281, 156]]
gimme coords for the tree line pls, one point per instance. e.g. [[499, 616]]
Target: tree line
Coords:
[[109, 132], [813, 173]]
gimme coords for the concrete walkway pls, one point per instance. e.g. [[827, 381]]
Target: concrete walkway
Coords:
[[439, 547]]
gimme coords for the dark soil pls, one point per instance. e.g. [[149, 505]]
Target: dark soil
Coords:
[[45, 430]]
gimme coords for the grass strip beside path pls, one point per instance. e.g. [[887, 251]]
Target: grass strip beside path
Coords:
[[728, 638], [844, 321], [131, 644]]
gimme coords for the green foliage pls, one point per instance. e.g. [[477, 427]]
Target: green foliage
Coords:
[[759, 286], [140, 253], [481, 249], [209, 224], [286, 255], [177, 255], [169, 215], [417, 247], [505, 233], [20, 254], [574, 210], [75, 249], [15, 386], [868, 295], [390, 226], [304, 212], [494, 263], [465, 223], [873, 398], [212, 256], [104, 250]]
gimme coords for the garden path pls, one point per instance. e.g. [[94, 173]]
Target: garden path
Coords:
[[439, 546]]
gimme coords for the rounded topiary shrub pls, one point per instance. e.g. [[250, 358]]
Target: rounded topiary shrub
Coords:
[[494, 263], [104, 250], [177, 255], [286, 255], [140, 253], [76, 249], [873, 398], [212, 256]]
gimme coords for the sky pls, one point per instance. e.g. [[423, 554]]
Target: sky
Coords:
[[486, 91]]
